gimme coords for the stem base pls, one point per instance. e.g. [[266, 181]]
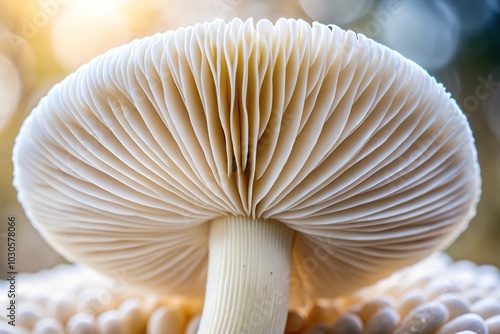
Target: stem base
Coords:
[[248, 276]]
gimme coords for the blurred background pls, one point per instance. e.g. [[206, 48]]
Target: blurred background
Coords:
[[457, 41]]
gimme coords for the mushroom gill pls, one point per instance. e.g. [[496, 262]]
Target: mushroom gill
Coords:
[[260, 165]]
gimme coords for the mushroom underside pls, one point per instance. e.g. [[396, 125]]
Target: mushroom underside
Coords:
[[355, 158]]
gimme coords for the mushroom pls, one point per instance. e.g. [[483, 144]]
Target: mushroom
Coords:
[[257, 164]]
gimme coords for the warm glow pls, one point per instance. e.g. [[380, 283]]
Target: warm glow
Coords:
[[10, 90], [43, 41], [87, 28]]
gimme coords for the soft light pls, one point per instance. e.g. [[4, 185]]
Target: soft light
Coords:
[[474, 15], [336, 11], [10, 90], [87, 28], [494, 4], [179, 13], [426, 32]]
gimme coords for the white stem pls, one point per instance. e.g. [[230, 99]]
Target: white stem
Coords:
[[248, 276]]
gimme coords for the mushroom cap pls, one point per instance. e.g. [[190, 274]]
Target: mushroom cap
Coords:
[[346, 142]]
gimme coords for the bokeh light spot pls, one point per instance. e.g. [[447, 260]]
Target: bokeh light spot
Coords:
[[474, 15], [17, 49], [194, 11], [494, 4], [426, 32], [10, 90], [87, 28], [336, 11]]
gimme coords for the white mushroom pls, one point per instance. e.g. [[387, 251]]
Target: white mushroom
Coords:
[[246, 161]]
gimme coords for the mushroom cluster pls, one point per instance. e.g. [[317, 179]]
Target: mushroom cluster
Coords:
[[433, 296], [258, 165], [77, 300]]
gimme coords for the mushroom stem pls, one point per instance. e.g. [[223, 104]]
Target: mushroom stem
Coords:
[[248, 276]]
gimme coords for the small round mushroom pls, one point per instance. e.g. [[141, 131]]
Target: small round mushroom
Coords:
[[248, 163], [373, 309]]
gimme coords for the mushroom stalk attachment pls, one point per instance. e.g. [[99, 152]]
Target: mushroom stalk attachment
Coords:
[[248, 276]]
